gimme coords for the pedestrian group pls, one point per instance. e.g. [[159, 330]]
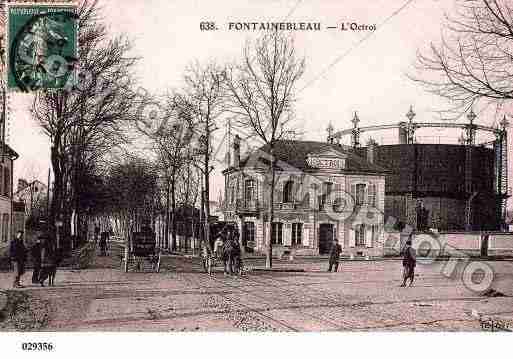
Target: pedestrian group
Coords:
[[226, 248], [44, 259]]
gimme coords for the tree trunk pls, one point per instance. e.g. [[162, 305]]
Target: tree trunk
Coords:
[[166, 234], [269, 254], [207, 190], [173, 214], [57, 191]]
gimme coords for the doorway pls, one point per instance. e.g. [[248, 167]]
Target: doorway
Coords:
[[325, 237]]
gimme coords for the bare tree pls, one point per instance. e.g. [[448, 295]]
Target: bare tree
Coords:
[[86, 119], [131, 194], [188, 192], [473, 62], [204, 101], [172, 147], [262, 97]]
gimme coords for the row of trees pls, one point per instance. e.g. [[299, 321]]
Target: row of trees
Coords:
[[87, 120], [258, 93], [90, 123]]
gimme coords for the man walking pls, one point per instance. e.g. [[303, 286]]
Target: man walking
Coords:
[[18, 254], [36, 260], [336, 249], [96, 235], [228, 249], [409, 263], [103, 244]]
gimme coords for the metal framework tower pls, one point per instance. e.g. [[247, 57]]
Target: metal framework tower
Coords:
[[501, 165], [470, 135]]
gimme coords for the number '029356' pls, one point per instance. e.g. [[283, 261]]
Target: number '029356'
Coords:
[[207, 26], [37, 346]]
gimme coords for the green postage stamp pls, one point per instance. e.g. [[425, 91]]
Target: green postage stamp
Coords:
[[42, 45]]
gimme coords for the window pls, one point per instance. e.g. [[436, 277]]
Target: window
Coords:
[[277, 233], [7, 182], [360, 235], [288, 194], [249, 232], [249, 190], [327, 188], [297, 233], [5, 227], [372, 195], [360, 194], [232, 194]]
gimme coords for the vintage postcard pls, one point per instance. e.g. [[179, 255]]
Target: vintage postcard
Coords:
[[234, 167]]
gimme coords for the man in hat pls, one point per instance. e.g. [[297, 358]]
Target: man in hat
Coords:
[[18, 254], [228, 251], [335, 251], [409, 263]]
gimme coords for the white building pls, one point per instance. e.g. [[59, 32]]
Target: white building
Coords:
[[31, 194], [322, 191]]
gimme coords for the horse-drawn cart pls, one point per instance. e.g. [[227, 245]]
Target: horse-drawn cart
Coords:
[[142, 249]]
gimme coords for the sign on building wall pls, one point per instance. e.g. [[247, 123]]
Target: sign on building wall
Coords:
[[326, 163]]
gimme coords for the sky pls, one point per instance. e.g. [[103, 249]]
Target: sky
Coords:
[[346, 71]]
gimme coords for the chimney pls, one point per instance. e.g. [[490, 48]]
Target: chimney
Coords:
[[371, 150], [236, 151]]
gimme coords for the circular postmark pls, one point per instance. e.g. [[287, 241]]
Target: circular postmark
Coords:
[[43, 51]]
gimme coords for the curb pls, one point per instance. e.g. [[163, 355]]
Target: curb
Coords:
[[285, 270]]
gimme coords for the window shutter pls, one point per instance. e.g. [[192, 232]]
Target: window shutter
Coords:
[[306, 238], [352, 238], [368, 236], [287, 234]]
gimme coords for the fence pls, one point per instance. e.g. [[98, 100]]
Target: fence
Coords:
[[453, 244]]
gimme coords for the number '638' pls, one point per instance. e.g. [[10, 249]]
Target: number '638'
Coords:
[[207, 25]]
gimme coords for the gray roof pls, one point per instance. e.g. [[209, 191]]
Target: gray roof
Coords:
[[295, 154]]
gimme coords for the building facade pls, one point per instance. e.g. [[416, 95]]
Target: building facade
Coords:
[[7, 159], [323, 191], [32, 194]]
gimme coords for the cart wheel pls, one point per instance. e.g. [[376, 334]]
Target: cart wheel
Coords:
[[158, 264]]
